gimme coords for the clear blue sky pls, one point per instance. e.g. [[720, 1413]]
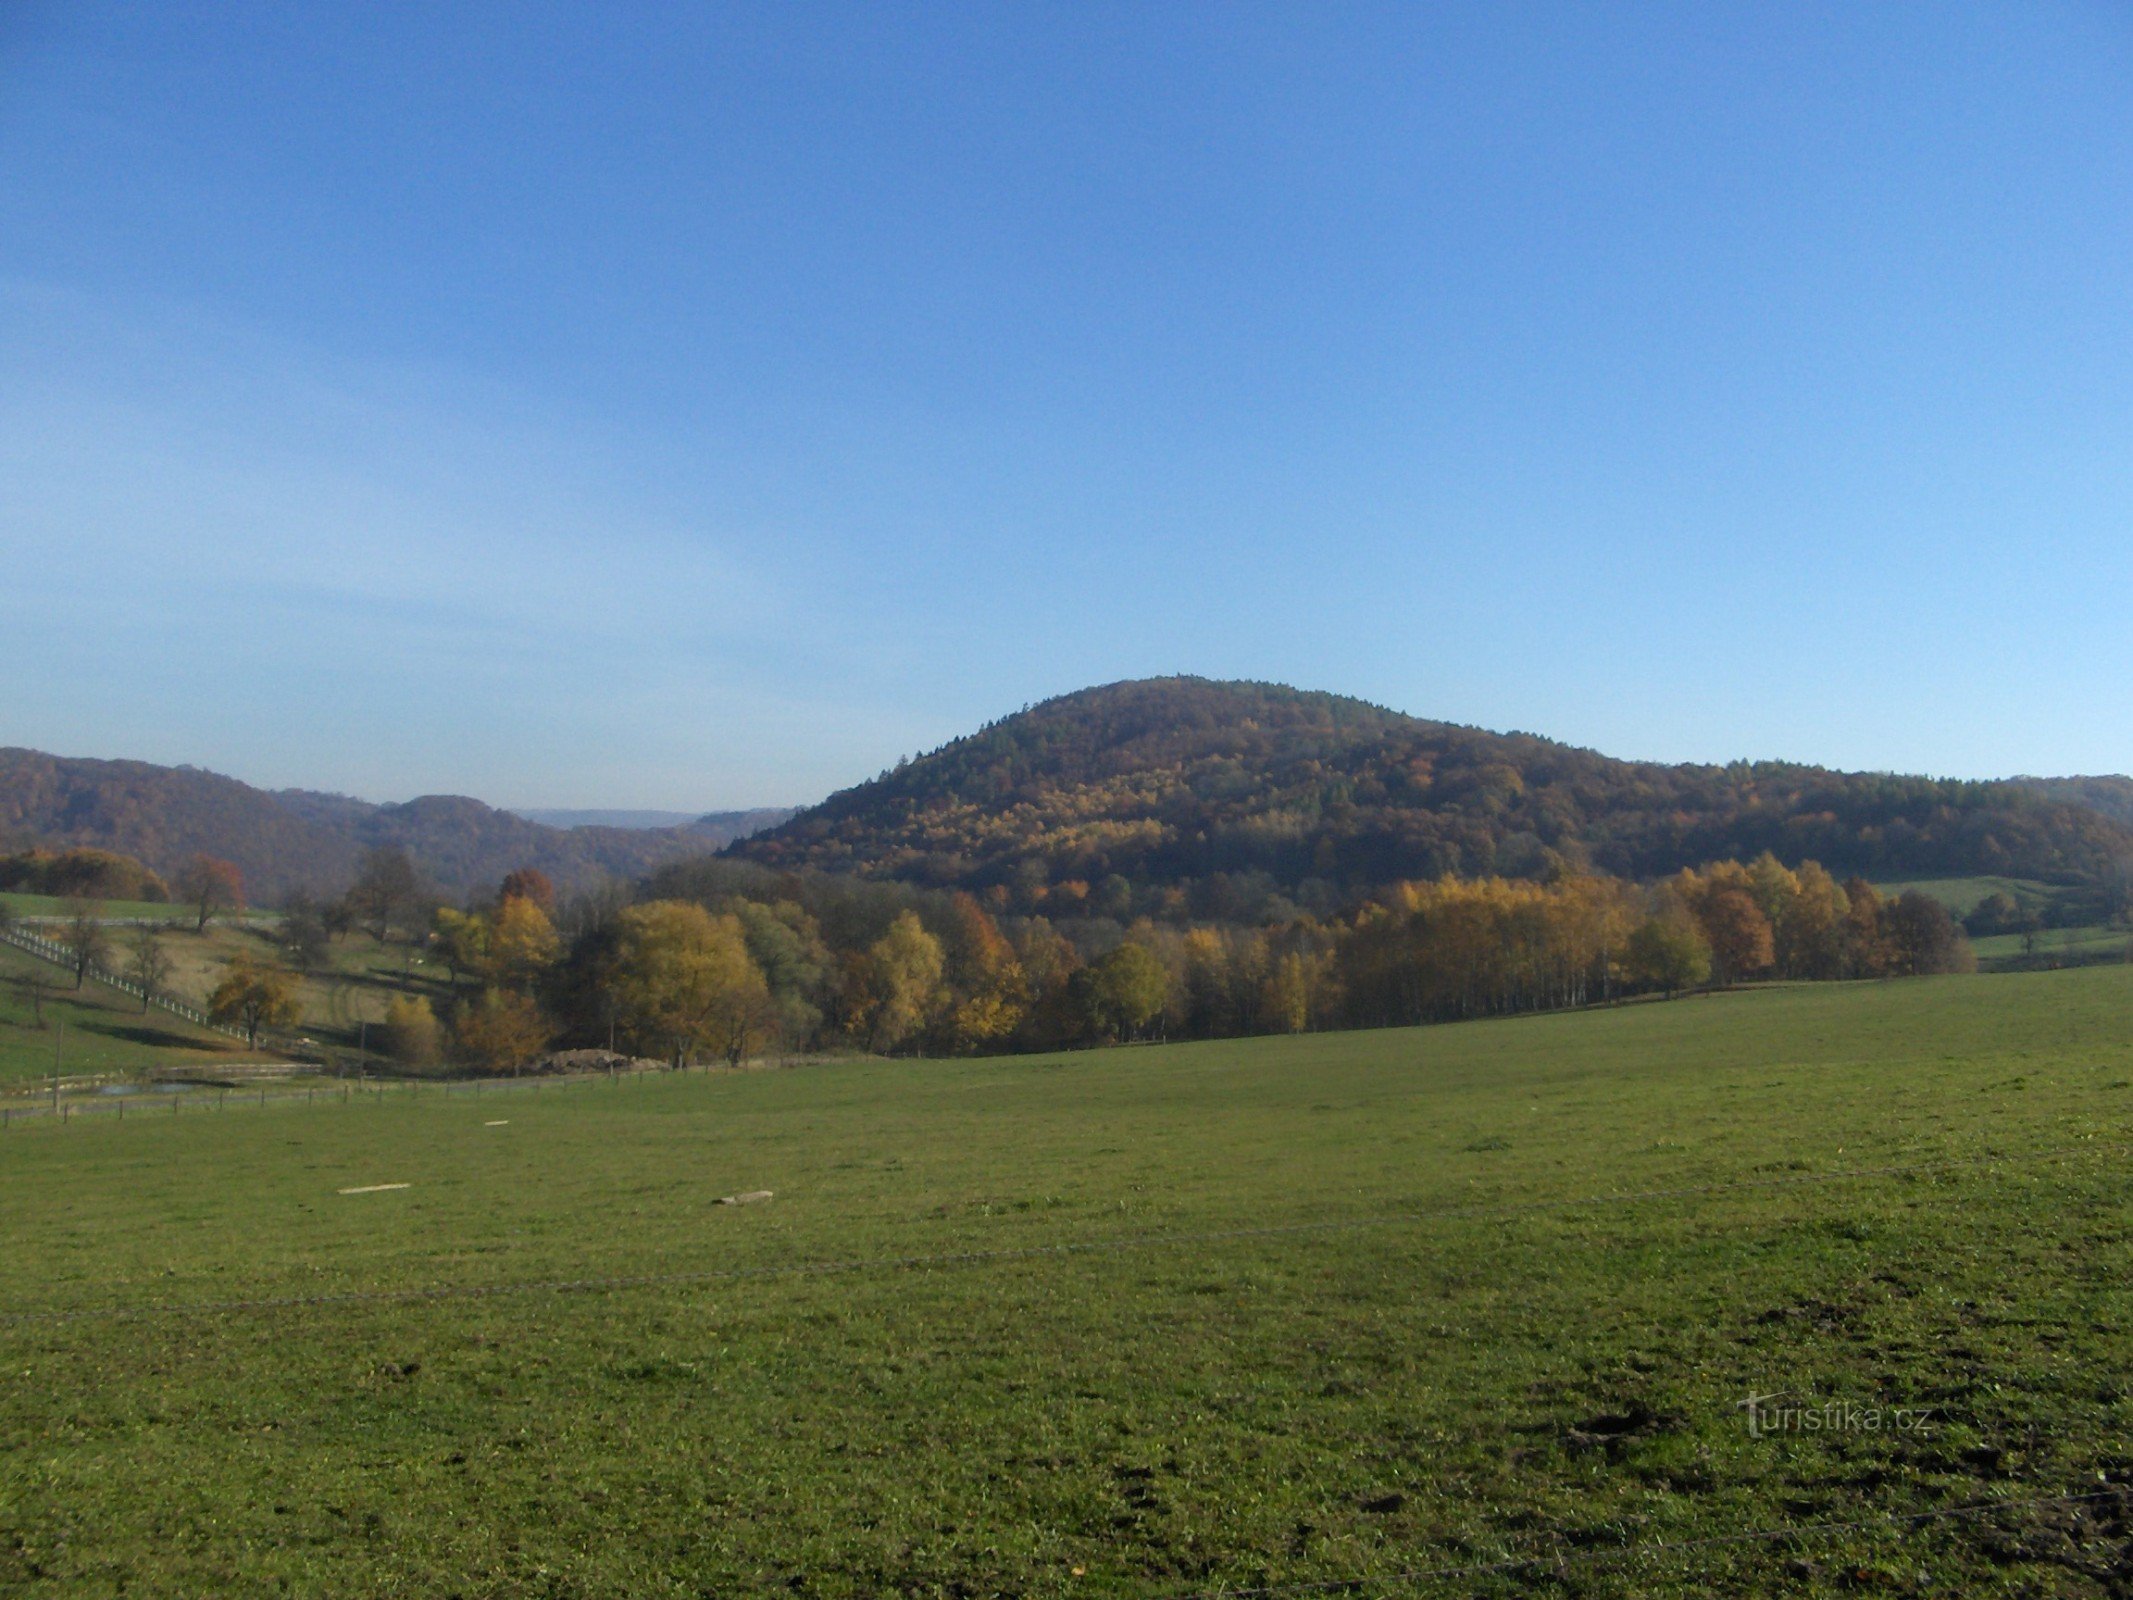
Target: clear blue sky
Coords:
[[695, 406]]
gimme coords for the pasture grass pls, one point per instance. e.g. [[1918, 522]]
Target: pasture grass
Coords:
[[2095, 943], [48, 907], [96, 1030], [1266, 1314], [355, 985], [1963, 895], [2004, 952]]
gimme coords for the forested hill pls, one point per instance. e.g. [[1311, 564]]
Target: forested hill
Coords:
[[294, 839], [2113, 796], [1184, 794]]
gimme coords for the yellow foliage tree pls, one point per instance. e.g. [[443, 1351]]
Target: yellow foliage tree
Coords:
[[412, 1036], [522, 944], [684, 979], [1286, 1006], [984, 1020], [254, 994], [461, 940], [1724, 901], [1811, 930], [500, 1032], [900, 982]]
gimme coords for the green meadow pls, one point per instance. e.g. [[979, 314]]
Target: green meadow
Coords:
[[2073, 945], [92, 1031], [1457, 1310], [2062, 946], [106, 1033], [53, 908], [1963, 895]]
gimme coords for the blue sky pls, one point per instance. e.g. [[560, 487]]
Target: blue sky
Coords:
[[705, 406]]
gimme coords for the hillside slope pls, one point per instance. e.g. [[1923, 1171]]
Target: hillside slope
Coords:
[[296, 839], [2110, 796], [1182, 784], [714, 827], [551, 817]]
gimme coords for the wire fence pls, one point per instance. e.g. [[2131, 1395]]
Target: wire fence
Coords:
[[176, 1096]]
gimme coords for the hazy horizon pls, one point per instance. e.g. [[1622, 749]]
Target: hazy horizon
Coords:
[[538, 810]]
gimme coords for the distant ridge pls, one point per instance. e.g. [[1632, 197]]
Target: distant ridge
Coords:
[[1160, 796], [299, 839], [716, 827], [1183, 793], [605, 819]]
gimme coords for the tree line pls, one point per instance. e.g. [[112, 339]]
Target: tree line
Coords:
[[726, 959], [722, 960], [80, 872]]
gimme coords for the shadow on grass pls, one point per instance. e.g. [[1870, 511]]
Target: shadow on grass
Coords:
[[156, 1038]]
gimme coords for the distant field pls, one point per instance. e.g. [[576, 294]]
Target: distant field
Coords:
[[1962, 895], [354, 986], [1272, 1314], [2081, 944], [45, 905], [2003, 950], [105, 1031]]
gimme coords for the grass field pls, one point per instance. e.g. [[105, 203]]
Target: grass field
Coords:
[[357, 983], [109, 1034], [105, 1031], [2061, 945], [2005, 952], [1962, 895], [1474, 1304]]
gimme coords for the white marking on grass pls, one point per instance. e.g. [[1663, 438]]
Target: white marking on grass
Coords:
[[374, 1188], [502, 1123]]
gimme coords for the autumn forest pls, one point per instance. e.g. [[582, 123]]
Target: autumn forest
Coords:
[[1172, 859]]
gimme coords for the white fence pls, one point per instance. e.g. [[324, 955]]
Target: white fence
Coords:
[[51, 950]]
